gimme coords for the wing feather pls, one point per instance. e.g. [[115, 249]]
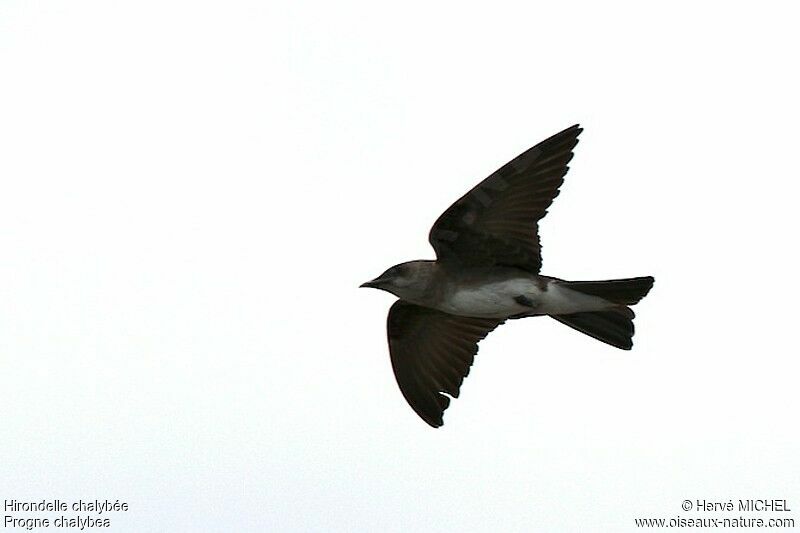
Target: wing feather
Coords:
[[431, 354], [496, 222]]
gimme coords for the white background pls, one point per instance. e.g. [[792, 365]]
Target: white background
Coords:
[[191, 192]]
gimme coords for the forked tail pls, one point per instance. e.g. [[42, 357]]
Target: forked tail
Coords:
[[612, 326]]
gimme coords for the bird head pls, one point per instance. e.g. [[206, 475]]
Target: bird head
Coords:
[[405, 280]]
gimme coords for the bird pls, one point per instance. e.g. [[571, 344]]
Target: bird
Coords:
[[487, 271]]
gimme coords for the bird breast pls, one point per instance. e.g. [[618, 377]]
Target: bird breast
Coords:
[[494, 299]]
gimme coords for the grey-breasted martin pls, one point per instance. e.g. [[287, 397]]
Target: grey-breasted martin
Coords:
[[486, 271]]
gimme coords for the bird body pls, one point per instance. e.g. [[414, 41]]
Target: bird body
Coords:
[[490, 292], [486, 271], [498, 298]]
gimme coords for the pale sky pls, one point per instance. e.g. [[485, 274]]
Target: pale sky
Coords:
[[191, 193]]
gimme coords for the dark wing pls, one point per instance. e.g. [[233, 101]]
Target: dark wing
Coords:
[[431, 353], [496, 222]]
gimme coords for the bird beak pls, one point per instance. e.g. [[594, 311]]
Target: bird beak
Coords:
[[374, 284]]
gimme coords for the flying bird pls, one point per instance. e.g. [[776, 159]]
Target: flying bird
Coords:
[[486, 271]]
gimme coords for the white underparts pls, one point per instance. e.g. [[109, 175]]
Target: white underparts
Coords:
[[499, 300]]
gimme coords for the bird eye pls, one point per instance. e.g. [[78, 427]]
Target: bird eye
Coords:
[[396, 272]]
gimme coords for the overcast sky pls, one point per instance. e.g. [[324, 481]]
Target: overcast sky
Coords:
[[191, 193]]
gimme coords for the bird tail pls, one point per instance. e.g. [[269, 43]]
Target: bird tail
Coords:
[[626, 291], [612, 326]]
